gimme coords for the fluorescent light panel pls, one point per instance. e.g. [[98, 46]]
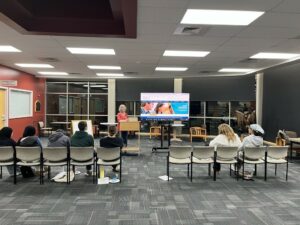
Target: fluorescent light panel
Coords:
[[8, 48], [220, 17], [92, 51], [110, 74], [270, 55], [171, 68], [186, 53], [96, 86], [95, 67], [235, 70], [30, 65], [53, 73]]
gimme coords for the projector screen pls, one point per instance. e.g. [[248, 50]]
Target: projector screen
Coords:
[[165, 106]]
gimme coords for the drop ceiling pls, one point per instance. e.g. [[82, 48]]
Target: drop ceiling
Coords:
[[157, 20]]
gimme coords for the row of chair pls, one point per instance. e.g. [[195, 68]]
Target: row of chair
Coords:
[[60, 156], [188, 155]]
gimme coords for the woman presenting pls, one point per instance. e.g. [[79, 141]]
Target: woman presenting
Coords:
[[122, 116]]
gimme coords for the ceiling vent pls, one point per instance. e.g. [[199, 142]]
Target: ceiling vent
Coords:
[[49, 59], [192, 30], [205, 71], [75, 73], [249, 60], [131, 73]]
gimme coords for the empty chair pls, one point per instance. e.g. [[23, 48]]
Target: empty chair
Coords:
[[43, 130], [254, 156], [197, 132], [83, 156], [226, 155], [202, 155], [56, 156], [109, 157], [155, 131], [30, 156], [277, 155], [7, 158], [180, 155]]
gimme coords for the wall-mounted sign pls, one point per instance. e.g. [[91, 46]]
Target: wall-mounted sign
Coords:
[[9, 83]]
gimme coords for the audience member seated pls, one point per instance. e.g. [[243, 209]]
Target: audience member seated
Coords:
[[254, 139], [58, 139], [82, 139], [6, 140], [226, 137], [29, 139], [112, 141]]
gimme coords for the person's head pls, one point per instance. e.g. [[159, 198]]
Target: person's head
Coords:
[[61, 131], [29, 131], [112, 131], [82, 125], [256, 130], [226, 130], [122, 108], [158, 108], [147, 106], [6, 132]]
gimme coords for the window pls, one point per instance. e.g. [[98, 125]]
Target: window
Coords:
[[20, 103]]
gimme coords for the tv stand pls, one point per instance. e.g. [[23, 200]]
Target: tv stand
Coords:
[[161, 147]]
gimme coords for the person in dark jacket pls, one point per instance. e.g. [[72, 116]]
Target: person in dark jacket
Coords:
[[112, 141], [82, 139], [58, 139], [29, 139], [6, 140]]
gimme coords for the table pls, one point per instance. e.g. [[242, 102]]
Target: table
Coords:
[[293, 141], [175, 125], [109, 124], [62, 124]]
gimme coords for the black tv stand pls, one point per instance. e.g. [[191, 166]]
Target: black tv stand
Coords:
[[162, 127]]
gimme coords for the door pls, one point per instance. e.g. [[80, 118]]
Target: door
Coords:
[[2, 108]]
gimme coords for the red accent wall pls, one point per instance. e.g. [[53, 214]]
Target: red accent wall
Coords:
[[27, 82]]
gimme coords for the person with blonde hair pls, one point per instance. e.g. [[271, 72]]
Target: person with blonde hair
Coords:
[[226, 137], [122, 116]]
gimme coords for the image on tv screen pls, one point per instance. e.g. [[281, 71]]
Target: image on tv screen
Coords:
[[165, 106]]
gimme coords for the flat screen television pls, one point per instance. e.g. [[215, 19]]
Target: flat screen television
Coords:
[[165, 106]]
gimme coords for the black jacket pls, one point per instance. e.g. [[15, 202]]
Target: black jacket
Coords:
[[111, 142]]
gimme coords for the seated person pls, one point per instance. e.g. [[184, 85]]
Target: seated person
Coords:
[[254, 139], [112, 141], [58, 139], [6, 140], [226, 137], [82, 139], [29, 139]]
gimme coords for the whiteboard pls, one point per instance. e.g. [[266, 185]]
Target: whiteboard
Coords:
[[20, 103]]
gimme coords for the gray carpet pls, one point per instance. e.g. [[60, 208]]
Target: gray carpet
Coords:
[[143, 199]]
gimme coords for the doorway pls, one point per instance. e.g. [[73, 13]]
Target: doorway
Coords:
[[3, 107]]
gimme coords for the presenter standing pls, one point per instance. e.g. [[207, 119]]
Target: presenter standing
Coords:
[[122, 116]]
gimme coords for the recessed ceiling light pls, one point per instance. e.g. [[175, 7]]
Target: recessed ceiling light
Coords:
[[8, 48], [94, 67], [110, 74], [92, 51], [220, 17], [186, 53], [29, 65], [53, 73], [270, 55], [171, 68], [235, 70]]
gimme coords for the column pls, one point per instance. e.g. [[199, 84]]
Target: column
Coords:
[[111, 105], [259, 96]]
